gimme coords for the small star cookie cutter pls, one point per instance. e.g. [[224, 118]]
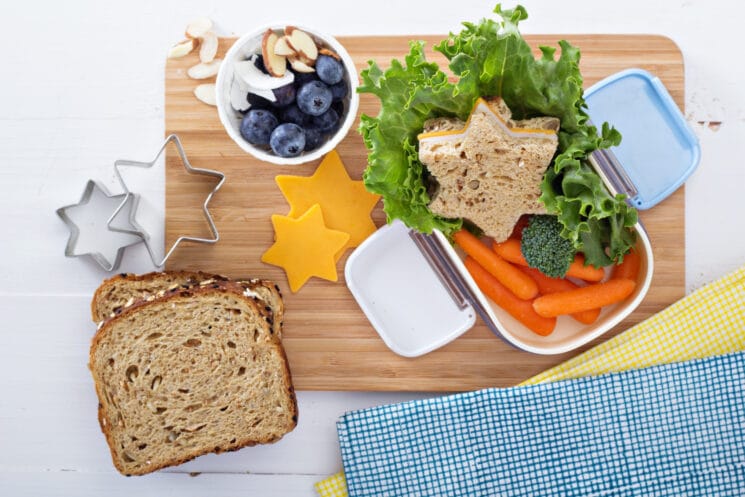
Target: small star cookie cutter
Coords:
[[138, 229], [92, 188]]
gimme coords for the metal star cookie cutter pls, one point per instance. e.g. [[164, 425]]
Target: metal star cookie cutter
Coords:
[[138, 229], [124, 201]]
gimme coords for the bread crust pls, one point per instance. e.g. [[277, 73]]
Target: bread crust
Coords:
[[110, 282], [213, 286], [276, 311], [191, 278]]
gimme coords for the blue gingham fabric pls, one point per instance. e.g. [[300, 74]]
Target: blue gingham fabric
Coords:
[[672, 430]]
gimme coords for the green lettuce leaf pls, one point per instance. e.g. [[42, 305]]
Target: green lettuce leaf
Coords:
[[409, 95], [491, 58]]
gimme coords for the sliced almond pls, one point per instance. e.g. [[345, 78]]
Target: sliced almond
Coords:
[[206, 93], [275, 64], [254, 78], [208, 48], [330, 53], [181, 49], [198, 27], [302, 43], [238, 97], [305, 60], [204, 71], [283, 48], [299, 65]]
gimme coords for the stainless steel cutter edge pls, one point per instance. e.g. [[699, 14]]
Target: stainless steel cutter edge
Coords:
[[139, 230], [75, 231]]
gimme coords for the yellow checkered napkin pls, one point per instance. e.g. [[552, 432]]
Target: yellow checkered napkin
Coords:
[[333, 486], [708, 322]]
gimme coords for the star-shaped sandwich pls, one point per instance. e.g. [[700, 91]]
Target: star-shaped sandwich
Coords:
[[489, 169], [305, 247], [345, 203]]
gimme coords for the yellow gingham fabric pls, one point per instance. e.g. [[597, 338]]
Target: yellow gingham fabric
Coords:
[[333, 486], [708, 322]]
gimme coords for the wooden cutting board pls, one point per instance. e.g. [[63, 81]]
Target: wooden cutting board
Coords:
[[329, 342]]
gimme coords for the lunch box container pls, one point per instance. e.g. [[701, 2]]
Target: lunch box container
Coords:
[[418, 295]]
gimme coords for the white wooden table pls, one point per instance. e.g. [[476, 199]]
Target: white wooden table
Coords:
[[82, 86]]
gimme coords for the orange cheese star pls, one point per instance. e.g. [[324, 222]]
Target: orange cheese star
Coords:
[[305, 247], [345, 203]]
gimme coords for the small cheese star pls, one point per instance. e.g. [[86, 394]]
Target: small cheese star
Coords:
[[345, 203], [305, 247]]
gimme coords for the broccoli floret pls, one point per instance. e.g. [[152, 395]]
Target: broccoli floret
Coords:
[[544, 248]]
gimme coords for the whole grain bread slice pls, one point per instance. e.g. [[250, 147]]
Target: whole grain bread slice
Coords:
[[114, 293], [195, 371]]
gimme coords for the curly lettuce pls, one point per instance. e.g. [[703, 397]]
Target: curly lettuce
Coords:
[[409, 95], [491, 58]]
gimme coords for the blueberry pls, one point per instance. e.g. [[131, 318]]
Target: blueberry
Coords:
[[339, 90], [304, 77], [314, 98], [293, 114], [257, 126], [326, 121], [313, 139], [287, 140], [259, 63], [329, 70], [338, 106], [285, 95], [258, 102]]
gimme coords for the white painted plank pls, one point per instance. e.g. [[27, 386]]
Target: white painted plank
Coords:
[[48, 403], [42, 175], [79, 484], [715, 211]]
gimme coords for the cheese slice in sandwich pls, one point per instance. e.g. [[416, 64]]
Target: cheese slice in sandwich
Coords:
[[489, 169]]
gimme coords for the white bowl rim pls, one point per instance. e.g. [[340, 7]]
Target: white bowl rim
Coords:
[[343, 130]]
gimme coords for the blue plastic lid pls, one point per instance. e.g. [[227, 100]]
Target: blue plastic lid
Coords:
[[658, 151]]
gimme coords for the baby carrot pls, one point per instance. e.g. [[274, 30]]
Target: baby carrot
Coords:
[[587, 317], [522, 310], [520, 225], [584, 298], [629, 268], [515, 280], [577, 269], [547, 284], [510, 251]]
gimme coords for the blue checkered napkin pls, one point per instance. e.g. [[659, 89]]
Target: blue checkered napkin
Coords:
[[677, 429]]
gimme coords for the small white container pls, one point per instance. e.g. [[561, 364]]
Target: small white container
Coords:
[[402, 297], [250, 44]]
